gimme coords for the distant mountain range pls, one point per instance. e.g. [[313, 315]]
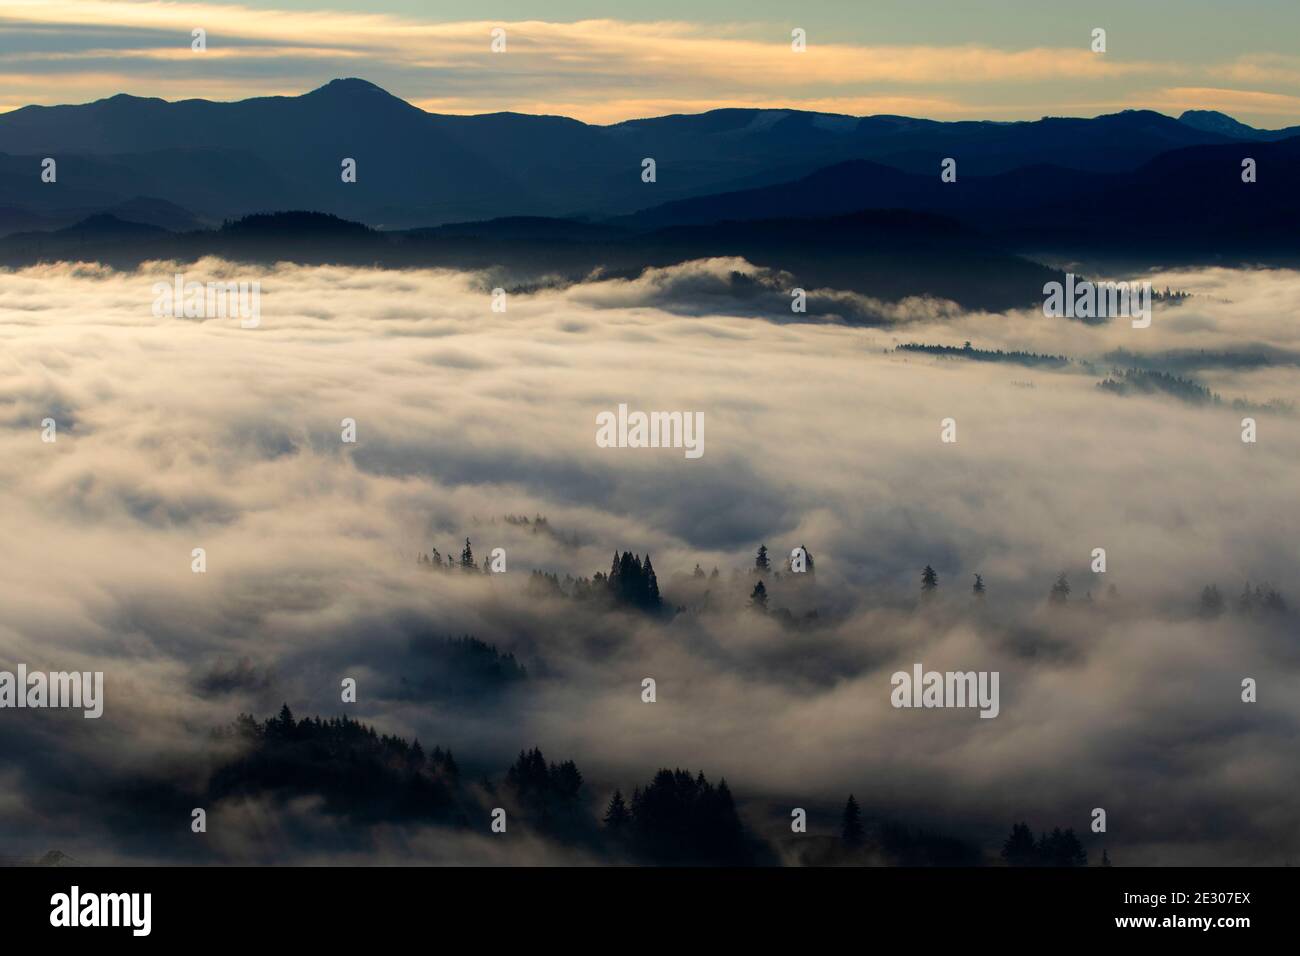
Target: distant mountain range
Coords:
[[1185, 202], [833, 201], [886, 254], [202, 162]]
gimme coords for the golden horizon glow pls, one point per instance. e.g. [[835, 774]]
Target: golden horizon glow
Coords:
[[596, 70]]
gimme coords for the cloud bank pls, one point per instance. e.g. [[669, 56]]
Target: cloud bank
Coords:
[[178, 434]]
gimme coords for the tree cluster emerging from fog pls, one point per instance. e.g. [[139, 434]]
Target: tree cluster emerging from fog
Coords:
[[631, 583]]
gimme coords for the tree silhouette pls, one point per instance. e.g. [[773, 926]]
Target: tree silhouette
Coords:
[[549, 793], [651, 597], [1244, 600], [1019, 848], [986, 355], [761, 563], [698, 572], [907, 846], [633, 583], [1061, 849], [355, 772], [1264, 599], [617, 816], [448, 763], [283, 726], [851, 832], [1060, 590], [758, 597], [929, 580], [978, 588], [682, 819], [1211, 601], [467, 558], [460, 668]]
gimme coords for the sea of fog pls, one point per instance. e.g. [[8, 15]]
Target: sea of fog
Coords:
[[178, 434]]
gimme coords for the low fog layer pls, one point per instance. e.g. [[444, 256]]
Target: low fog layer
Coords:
[[176, 434]]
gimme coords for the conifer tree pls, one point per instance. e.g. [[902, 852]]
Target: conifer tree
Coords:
[[851, 824], [758, 597], [761, 563], [1061, 849], [651, 598], [929, 580], [979, 586], [1019, 848], [617, 817]]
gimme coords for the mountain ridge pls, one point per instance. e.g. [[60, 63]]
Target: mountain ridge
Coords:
[[416, 168]]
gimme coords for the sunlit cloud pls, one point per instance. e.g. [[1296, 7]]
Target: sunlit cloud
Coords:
[[1265, 68], [596, 70], [1236, 102]]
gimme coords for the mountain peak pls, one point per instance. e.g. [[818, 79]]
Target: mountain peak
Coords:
[[107, 225], [350, 86], [1212, 121], [358, 96]]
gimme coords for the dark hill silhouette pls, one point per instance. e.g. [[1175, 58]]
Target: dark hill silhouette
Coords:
[[203, 182], [20, 219], [1185, 204], [860, 184], [147, 210], [106, 224], [1212, 121], [888, 254], [223, 160], [789, 137], [99, 227], [295, 224], [156, 212], [524, 228], [1188, 201]]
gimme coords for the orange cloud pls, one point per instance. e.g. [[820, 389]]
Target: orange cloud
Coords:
[[1236, 102], [593, 69]]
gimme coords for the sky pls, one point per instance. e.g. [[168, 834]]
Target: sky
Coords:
[[610, 61]]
